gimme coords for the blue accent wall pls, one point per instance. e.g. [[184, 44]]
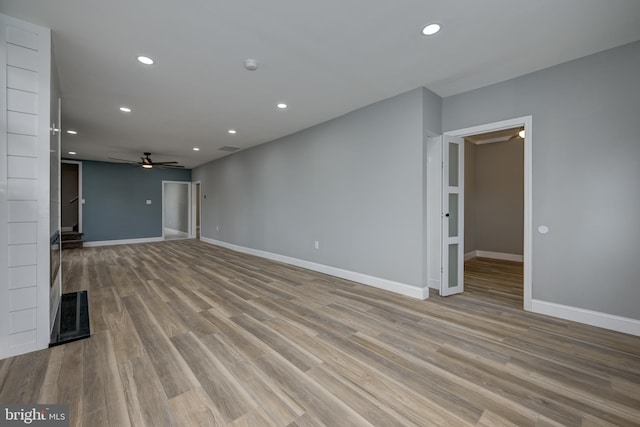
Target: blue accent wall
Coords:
[[115, 200]]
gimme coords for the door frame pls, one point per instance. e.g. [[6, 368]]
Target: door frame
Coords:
[[527, 252], [80, 198], [188, 184], [196, 209]]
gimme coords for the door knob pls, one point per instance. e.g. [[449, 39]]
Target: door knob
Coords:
[[447, 215]]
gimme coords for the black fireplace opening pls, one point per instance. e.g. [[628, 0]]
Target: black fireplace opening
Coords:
[[72, 319]]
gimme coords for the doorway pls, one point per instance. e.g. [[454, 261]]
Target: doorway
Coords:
[[71, 196], [494, 219], [196, 209], [526, 124], [176, 210]]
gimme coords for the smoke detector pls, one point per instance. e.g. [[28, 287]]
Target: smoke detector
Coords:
[[251, 64]]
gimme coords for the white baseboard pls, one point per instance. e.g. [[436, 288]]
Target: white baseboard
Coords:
[[589, 317], [17, 350], [376, 282], [122, 242], [493, 255]]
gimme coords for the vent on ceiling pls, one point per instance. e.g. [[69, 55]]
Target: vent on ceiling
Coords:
[[228, 148]]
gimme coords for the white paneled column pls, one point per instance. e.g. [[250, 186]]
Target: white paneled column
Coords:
[[24, 187]]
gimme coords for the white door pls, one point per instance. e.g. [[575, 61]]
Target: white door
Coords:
[[452, 259]]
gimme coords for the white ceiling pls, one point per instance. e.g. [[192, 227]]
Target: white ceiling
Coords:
[[323, 58]]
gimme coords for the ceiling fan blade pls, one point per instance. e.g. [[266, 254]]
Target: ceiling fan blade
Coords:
[[126, 161], [163, 163], [168, 166]]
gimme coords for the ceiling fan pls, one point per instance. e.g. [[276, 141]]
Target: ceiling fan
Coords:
[[147, 163]]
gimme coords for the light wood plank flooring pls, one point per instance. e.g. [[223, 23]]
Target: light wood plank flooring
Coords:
[[185, 333]]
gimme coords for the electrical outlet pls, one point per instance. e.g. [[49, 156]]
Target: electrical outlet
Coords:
[[217, 228], [316, 244], [148, 202]]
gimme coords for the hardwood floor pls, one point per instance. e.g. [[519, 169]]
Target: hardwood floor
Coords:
[[186, 333]]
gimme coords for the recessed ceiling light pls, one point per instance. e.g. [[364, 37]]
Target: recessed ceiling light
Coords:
[[251, 64], [72, 152], [431, 29], [125, 109], [282, 105], [196, 149], [232, 131], [72, 132], [145, 60]]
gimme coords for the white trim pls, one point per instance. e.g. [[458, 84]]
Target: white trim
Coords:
[[493, 255], [433, 211], [194, 205], [527, 249], [43, 268], [122, 242], [4, 199], [55, 292], [376, 282], [490, 140], [594, 318]]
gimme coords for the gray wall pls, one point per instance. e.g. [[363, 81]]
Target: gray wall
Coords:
[[586, 170], [115, 200], [354, 184], [494, 191]]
